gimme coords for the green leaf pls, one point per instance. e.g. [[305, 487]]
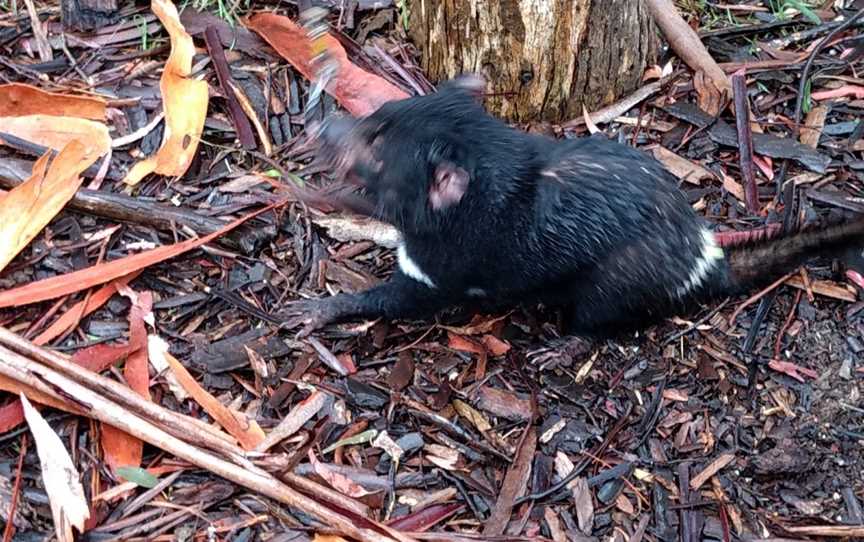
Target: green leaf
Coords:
[[139, 476], [806, 11]]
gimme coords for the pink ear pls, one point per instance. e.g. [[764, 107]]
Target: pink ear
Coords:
[[448, 187]]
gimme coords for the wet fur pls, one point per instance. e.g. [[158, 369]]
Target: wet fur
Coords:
[[589, 224]]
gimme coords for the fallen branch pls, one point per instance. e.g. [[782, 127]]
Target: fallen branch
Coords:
[[686, 43], [612, 112], [98, 398]]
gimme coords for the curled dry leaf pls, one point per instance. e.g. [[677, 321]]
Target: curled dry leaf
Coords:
[[402, 373], [61, 478], [28, 207], [359, 91], [503, 403], [386, 443], [463, 344], [580, 490], [589, 123], [424, 518], [733, 187], [18, 99], [53, 120], [11, 415], [56, 132], [443, 457], [811, 131], [790, 369], [623, 504], [479, 325], [348, 228], [184, 101]]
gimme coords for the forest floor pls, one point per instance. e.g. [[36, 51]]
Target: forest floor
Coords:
[[470, 427]]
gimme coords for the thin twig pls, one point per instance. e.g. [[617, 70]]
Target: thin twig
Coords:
[[745, 141]]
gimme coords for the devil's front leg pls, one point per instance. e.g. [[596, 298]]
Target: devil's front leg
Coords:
[[400, 297]]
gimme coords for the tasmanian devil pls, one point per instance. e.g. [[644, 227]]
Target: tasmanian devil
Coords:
[[491, 213]]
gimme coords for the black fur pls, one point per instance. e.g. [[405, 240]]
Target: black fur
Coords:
[[590, 224]]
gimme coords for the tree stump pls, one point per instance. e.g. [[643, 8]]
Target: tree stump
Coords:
[[544, 59]]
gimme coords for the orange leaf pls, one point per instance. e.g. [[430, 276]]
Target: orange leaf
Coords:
[[478, 325], [17, 99], [184, 101], [495, 345], [81, 309], [136, 372], [11, 415], [122, 449], [56, 132], [457, 342], [359, 91], [249, 435], [54, 287], [28, 207], [99, 357]]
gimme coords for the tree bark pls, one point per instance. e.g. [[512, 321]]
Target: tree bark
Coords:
[[544, 59]]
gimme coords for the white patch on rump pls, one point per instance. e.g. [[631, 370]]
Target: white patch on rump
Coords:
[[476, 292], [411, 269], [711, 254]]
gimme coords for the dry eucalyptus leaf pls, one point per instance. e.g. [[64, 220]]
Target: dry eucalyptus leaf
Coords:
[[61, 478]]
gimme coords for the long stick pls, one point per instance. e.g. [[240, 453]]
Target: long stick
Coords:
[[686, 43], [22, 369]]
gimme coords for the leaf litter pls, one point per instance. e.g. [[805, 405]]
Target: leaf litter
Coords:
[[398, 430]]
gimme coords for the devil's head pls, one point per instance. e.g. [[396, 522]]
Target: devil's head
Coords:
[[408, 156]]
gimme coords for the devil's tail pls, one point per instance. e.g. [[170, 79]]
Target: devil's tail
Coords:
[[755, 262]]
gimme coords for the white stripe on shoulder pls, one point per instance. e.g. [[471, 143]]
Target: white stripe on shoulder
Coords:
[[411, 269], [710, 255]]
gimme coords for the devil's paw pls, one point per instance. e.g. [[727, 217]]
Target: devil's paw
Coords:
[[312, 314]]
